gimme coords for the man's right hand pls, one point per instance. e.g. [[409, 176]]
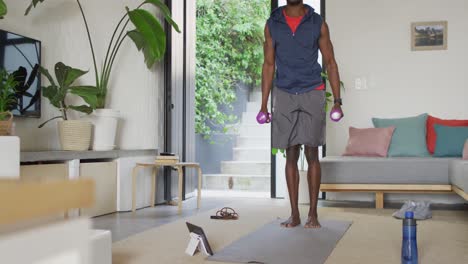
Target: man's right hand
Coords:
[[263, 116]]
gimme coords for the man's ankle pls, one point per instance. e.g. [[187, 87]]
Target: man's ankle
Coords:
[[313, 214], [295, 216]]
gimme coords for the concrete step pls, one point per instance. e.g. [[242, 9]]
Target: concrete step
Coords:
[[251, 153], [255, 96], [253, 106], [249, 118], [254, 142], [246, 167], [236, 193], [252, 182], [255, 130]]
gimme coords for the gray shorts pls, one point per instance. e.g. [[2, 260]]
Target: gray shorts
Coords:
[[298, 119]]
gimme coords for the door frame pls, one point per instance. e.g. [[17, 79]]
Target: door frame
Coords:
[[168, 105], [179, 93]]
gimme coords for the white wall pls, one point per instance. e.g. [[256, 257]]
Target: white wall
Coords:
[[136, 91], [372, 40]]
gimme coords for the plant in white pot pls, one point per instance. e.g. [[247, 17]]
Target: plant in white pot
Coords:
[[148, 36], [7, 101], [74, 134]]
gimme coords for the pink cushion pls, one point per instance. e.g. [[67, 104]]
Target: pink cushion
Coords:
[[465, 150], [370, 142]]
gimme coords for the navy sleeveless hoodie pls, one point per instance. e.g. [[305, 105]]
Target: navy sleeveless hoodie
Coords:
[[296, 54]]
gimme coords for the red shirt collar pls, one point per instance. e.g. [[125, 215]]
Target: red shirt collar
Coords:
[[289, 17]]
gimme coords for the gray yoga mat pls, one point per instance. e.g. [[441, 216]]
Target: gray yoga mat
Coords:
[[272, 244]]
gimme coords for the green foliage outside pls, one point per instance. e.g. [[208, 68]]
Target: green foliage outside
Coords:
[[7, 93], [229, 50]]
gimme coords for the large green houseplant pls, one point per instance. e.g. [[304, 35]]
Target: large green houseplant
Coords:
[[74, 134], [7, 101], [148, 36]]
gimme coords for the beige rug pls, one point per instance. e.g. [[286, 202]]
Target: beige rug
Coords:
[[374, 237]]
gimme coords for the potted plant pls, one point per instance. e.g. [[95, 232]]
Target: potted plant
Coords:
[[74, 134], [7, 101], [148, 36]]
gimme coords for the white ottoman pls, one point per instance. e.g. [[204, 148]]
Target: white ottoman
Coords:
[[100, 247], [9, 157]]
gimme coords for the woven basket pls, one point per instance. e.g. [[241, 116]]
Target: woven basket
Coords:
[[5, 126], [75, 134]]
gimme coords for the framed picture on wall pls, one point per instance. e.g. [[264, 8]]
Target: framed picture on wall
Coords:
[[429, 35]]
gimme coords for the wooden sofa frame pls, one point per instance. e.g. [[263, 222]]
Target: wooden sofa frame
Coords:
[[381, 189]]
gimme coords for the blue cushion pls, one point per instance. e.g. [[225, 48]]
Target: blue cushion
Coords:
[[409, 138], [450, 140]]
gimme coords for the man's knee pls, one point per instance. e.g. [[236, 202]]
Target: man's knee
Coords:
[[311, 154], [292, 154]]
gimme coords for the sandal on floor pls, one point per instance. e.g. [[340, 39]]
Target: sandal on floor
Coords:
[[226, 213]]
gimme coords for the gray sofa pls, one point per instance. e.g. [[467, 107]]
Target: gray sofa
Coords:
[[396, 175], [458, 176]]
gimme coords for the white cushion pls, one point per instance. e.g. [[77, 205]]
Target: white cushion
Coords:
[[9, 157]]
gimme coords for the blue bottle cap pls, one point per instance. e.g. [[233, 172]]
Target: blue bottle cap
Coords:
[[409, 215]]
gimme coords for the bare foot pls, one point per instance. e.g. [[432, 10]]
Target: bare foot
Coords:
[[291, 222], [312, 222]]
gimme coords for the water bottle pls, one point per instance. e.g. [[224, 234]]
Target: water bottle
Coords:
[[409, 247]]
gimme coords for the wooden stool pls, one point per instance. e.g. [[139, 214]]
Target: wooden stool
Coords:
[[179, 166], [161, 163]]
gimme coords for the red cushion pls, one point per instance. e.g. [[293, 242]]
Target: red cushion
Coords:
[[431, 135]]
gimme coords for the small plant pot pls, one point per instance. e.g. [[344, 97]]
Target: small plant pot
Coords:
[[75, 135], [105, 123], [6, 125]]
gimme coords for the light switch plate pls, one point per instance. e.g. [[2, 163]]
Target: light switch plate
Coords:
[[360, 83]]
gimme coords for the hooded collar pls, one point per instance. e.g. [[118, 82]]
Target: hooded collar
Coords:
[[277, 14]]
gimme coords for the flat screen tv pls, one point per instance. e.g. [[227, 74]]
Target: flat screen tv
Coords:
[[21, 56]]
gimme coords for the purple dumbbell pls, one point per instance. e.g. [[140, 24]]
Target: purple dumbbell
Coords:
[[263, 118], [336, 115]]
